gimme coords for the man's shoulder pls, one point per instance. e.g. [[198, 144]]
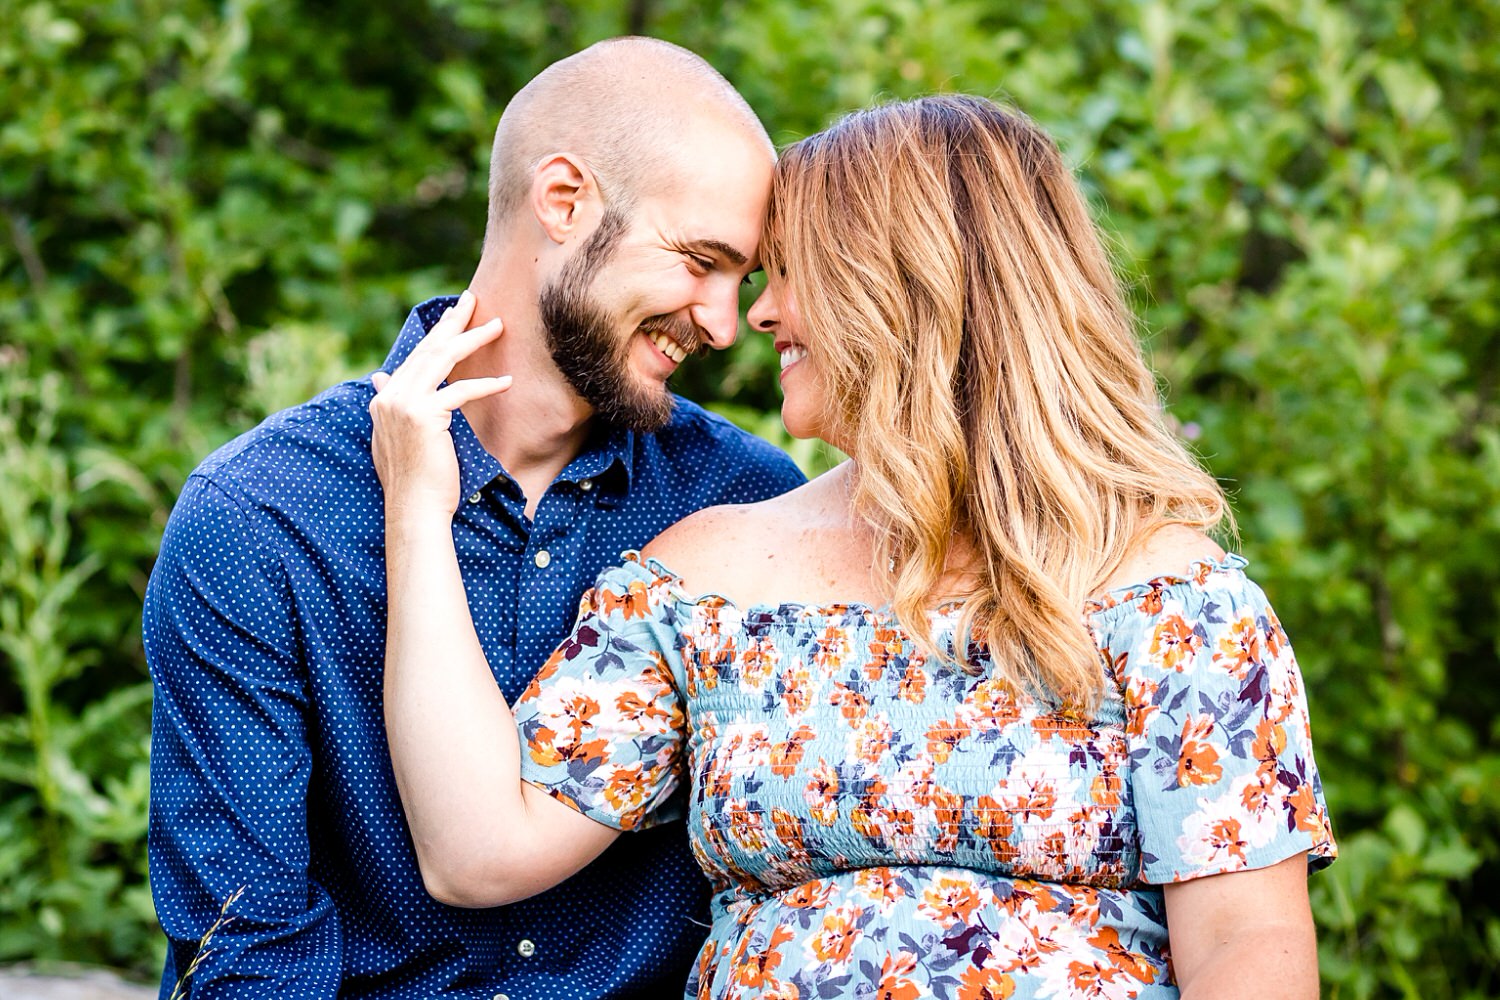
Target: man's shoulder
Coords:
[[330, 432]]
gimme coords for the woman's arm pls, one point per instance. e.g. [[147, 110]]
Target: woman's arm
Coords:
[[1244, 934], [482, 836]]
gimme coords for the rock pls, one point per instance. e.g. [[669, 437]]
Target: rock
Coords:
[[20, 982]]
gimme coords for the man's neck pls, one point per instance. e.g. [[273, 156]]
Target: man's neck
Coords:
[[538, 425]]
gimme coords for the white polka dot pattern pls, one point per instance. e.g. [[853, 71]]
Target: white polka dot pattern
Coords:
[[264, 627]]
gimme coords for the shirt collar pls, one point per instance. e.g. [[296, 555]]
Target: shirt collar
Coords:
[[607, 458]]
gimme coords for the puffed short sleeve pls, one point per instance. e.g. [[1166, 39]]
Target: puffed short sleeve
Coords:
[[1221, 762], [602, 725]]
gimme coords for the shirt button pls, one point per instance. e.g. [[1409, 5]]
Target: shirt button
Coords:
[[501, 996], [585, 484], [543, 558], [525, 948], [474, 497]]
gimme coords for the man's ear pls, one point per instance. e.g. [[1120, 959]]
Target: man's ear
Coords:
[[564, 196]]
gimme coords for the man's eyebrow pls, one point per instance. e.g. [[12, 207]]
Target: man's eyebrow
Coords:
[[734, 255]]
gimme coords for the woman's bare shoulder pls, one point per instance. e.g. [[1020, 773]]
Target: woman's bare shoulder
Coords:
[[730, 548], [718, 539], [1169, 550]]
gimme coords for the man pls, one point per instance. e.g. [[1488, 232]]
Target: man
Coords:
[[628, 187]]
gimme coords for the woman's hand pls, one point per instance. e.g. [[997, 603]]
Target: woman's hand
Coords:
[[412, 411]]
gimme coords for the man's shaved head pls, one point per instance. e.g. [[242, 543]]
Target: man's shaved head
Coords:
[[627, 107]]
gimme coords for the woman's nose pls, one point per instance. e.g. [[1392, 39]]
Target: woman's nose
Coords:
[[763, 315]]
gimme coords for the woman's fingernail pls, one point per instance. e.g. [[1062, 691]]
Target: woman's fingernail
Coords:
[[466, 297]]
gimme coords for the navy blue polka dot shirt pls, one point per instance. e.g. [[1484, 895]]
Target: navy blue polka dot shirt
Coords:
[[270, 776]]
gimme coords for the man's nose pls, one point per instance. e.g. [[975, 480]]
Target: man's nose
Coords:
[[719, 318]]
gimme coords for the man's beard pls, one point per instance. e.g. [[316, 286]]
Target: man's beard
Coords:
[[588, 349]]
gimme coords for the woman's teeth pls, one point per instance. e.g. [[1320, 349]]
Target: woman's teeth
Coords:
[[791, 356], [668, 346]]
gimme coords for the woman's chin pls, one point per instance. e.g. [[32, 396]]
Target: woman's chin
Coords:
[[798, 425]]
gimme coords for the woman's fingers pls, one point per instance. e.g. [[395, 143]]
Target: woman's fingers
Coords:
[[446, 344], [455, 394]]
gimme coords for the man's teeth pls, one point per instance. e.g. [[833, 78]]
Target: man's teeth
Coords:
[[668, 346], [791, 356]]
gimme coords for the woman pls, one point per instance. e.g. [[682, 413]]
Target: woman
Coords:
[[980, 713]]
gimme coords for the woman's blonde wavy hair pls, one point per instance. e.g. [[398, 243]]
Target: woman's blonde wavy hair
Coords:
[[983, 369]]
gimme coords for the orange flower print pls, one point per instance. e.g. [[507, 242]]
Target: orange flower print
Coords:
[[873, 739], [1150, 603], [876, 820], [913, 686], [880, 886], [1139, 696], [788, 827], [948, 806], [1239, 648], [1270, 742], [1275, 637], [1093, 978], [553, 664], [950, 900], [641, 710], [836, 936], [758, 662], [995, 704], [995, 824], [1031, 797], [1306, 811], [746, 824], [1220, 840], [888, 642], [852, 704], [758, 970], [1198, 760], [821, 793], [1257, 790], [1120, 958], [1068, 728], [943, 736], [832, 645], [895, 982], [813, 895], [797, 693], [542, 747], [633, 603], [980, 983], [702, 674], [549, 748], [708, 957], [786, 756], [1175, 642], [1104, 790], [626, 790]]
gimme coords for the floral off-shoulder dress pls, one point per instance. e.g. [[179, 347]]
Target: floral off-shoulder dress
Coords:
[[879, 825]]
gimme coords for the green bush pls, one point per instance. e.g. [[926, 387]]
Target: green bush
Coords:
[[210, 210]]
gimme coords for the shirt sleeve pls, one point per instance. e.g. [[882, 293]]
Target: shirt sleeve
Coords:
[[230, 763], [1221, 762], [602, 725]]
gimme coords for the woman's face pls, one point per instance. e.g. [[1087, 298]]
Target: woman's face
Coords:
[[804, 402]]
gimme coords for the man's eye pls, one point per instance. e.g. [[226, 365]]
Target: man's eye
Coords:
[[701, 263]]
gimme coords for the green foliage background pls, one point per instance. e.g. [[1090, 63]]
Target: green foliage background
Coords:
[[212, 210]]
